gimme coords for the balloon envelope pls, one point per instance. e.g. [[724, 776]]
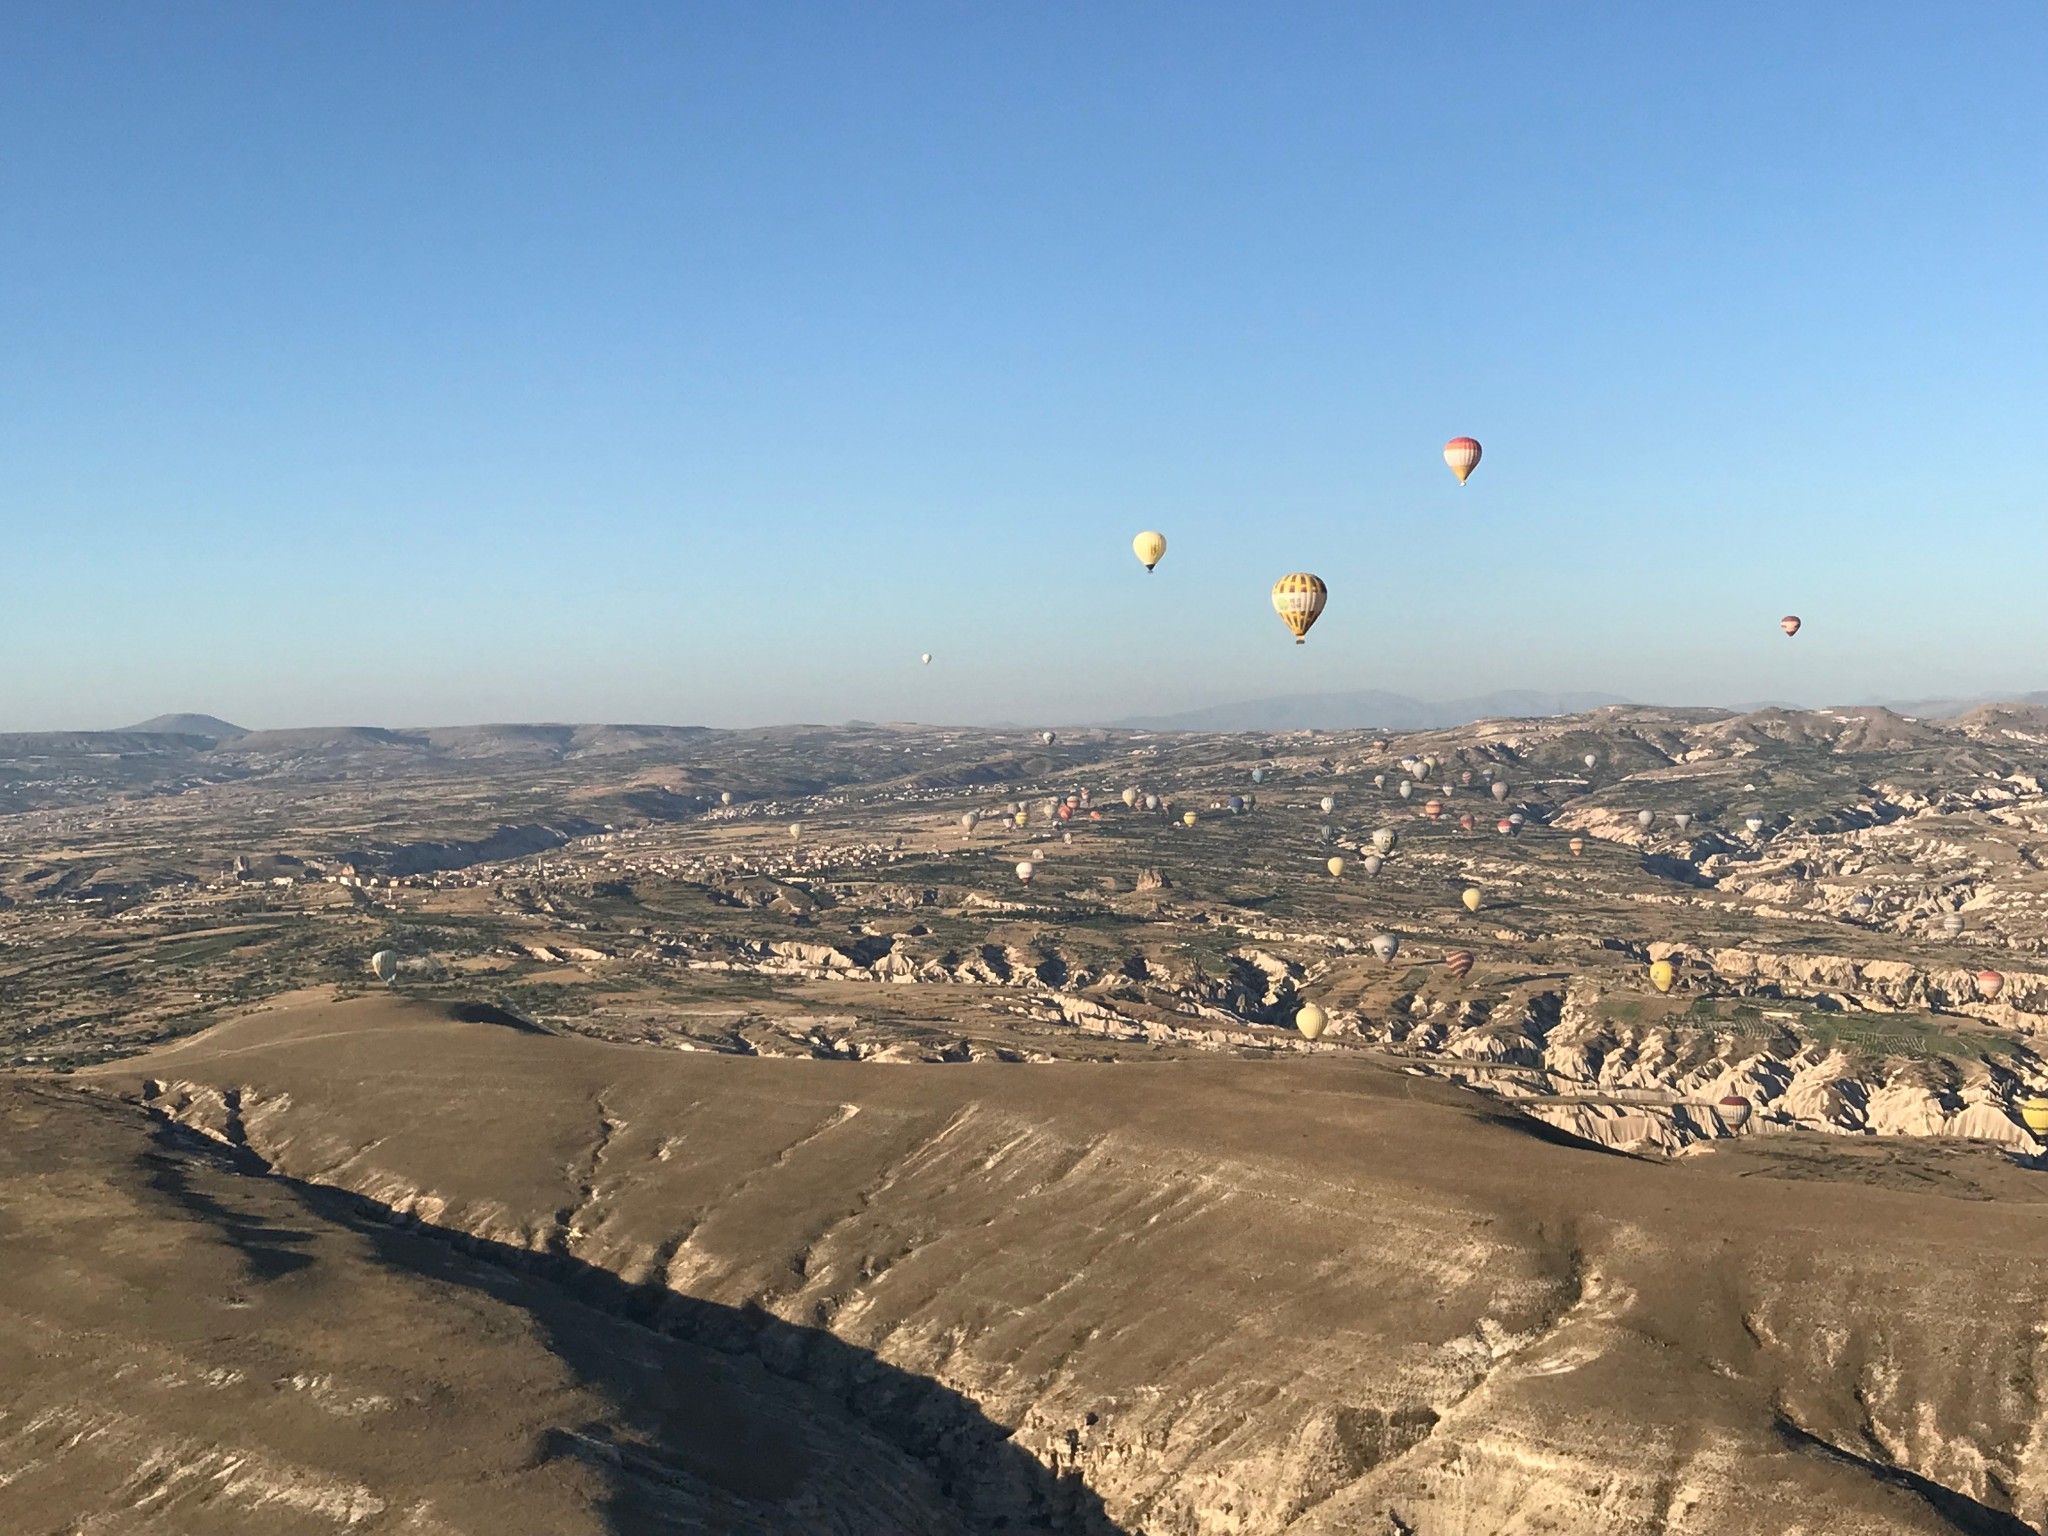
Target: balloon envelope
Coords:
[[926, 658], [384, 965], [1311, 1020], [1258, 775], [1130, 797], [1236, 804], [796, 830], [1790, 624], [1754, 823], [726, 798], [1149, 547], [1299, 599], [1189, 818], [1990, 983], [1500, 789], [1025, 870], [1462, 454], [1577, 846], [1592, 760], [1734, 1112], [1662, 975], [1434, 810], [1644, 818], [1372, 864], [1383, 839], [1385, 945], [1335, 867], [1459, 963], [2034, 1114], [1471, 898]]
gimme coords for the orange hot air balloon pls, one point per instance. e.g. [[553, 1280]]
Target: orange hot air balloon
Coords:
[[1577, 846], [1095, 815], [1459, 963], [1789, 624], [1299, 599], [1434, 810], [1462, 454], [1990, 983]]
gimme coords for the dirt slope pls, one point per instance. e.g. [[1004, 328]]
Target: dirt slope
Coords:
[[1307, 1295]]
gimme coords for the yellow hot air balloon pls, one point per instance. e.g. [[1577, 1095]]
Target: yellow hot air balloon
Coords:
[[1299, 600], [2034, 1114], [1663, 975], [1022, 818], [1189, 818], [1311, 1020], [1336, 868], [1471, 898], [1149, 547]]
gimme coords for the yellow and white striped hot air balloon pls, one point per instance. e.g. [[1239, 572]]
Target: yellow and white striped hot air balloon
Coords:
[[1299, 600], [1150, 548]]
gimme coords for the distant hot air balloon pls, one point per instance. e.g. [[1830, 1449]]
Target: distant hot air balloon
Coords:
[[1022, 818], [384, 965], [969, 821], [2034, 1114], [1372, 864], [1326, 833], [1448, 791], [1379, 781], [1953, 924], [1462, 454], [1383, 838], [1236, 804], [1065, 813], [1682, 818], [1459, 963], [1048, 737], [1335, 867], [1663, 974], [1862, 904], [1130, 799], [1465, 777], [1151, 802], [1433, 809], [796, 830], [1386, 946], [1258, 775], [1734, 1112], [1471, 898], [1990, 983], [1505, 827], [1466, 823], [1299, 600], [726, 798], [1328, 803], [1150, 548], [1592, 759], [1189, 818], [926, 658], [1500, 789], [1311, 1020], [1406, 789], [1790, 624], [1025, 870], [1095, 815], [1754, 823], [1577, 846], [1644, 818]]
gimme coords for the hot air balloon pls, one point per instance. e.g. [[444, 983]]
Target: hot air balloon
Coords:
[[1577, 846], [1459, 963], [1592, 759], [1372, 864], [1048, 737], [1682, 818], [1328, 803], [1465, 777], [1505, 827], [1466, 823], [726, 798], [1095, 815], [1236, 804], [1406, 789], [2034, 1114], [1754, 823], [969, 821], [1990, 983], [1311, 1020], [1189, 818], [1379, 781], [1383, 838], [1644, 818], [1258, 775], [1862, 904], [384, 965], [1953, 924], [1663, 974], [1734, 1112], [1326, 833], [1022, 818], [1462, 454], [1025, 870], [796, 830], [1515, 820], [1471, 898], [1790, 624], [1149, 547], [926, 658], [1500, 789], [1448, 791], [1433, 809], [1130, 799], [1151, 802], [1299, 600], [1065, 813], [1335, 867], [1386, 946]]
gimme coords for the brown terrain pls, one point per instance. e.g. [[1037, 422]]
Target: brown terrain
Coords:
[[697, 1177]]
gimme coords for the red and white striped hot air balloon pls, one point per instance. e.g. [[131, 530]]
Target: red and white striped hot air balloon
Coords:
[[1789, 624], [1462, 454], [1459, 963], [1990, 983]]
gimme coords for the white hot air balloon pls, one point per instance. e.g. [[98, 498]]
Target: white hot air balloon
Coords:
[[726, 798], [1372, 864], [1130, 799], [926, 658], [1379, 781], [1754, 823], [1383, 839], [1592, 760], [1644, 818], [1683, 818], [1500, 789], [1386, 946], [1025, 870], [1404, 789], [1328, 803], [384, 966]]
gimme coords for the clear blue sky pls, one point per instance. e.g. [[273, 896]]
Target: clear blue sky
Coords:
[[408, 363]]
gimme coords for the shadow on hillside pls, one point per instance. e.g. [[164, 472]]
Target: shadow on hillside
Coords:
[[726, 1419]]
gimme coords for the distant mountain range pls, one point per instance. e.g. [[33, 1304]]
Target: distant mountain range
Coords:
[[1371, 709]]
